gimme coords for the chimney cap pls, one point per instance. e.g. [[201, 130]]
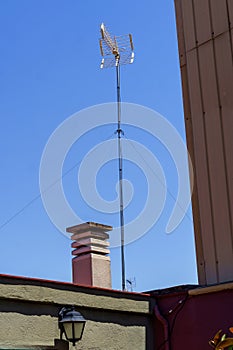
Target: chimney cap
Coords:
[[93, 226]]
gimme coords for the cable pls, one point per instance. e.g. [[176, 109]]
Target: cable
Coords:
[[11, 218], [173, 197], [161, 345], [20, 211], [181, 303]]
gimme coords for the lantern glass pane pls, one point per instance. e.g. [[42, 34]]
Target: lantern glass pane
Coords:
[[73, 330]]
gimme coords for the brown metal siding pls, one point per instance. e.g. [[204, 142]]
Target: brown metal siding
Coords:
[[188, 22], [189, 128], [201, 20], [201, 166], [219, 16], [225, 81], [230, 12], [205, 46]]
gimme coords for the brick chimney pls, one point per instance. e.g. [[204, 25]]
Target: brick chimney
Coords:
[[91, 264]]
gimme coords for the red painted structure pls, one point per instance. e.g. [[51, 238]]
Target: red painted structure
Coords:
[[188, 317]]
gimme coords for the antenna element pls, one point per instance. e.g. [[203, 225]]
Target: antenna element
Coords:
[[116, 50]]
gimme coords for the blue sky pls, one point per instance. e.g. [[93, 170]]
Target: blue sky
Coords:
[[49, 68]]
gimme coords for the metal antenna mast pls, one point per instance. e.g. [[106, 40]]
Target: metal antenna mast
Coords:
[[117, 50]]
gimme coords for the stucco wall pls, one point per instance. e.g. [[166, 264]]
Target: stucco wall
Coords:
[[115, 320]]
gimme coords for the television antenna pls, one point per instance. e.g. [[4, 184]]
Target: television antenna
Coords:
[[116, 51], [131, 284]]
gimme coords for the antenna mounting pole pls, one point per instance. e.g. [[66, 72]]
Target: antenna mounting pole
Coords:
[[117, 51], [120, 169]]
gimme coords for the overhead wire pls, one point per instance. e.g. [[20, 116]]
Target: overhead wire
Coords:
[[17, 213], [73, 167], [157, 177]]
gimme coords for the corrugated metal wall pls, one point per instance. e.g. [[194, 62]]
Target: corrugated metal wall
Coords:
[[205, 36]]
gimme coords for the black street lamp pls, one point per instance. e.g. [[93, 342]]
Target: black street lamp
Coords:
[[71, 323]]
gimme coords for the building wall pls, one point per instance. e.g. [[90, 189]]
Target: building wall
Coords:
[[115, 320], [184, 317], [205, 46]]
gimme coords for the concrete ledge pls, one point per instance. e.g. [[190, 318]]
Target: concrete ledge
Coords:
[[41, 294], [211, 289]]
